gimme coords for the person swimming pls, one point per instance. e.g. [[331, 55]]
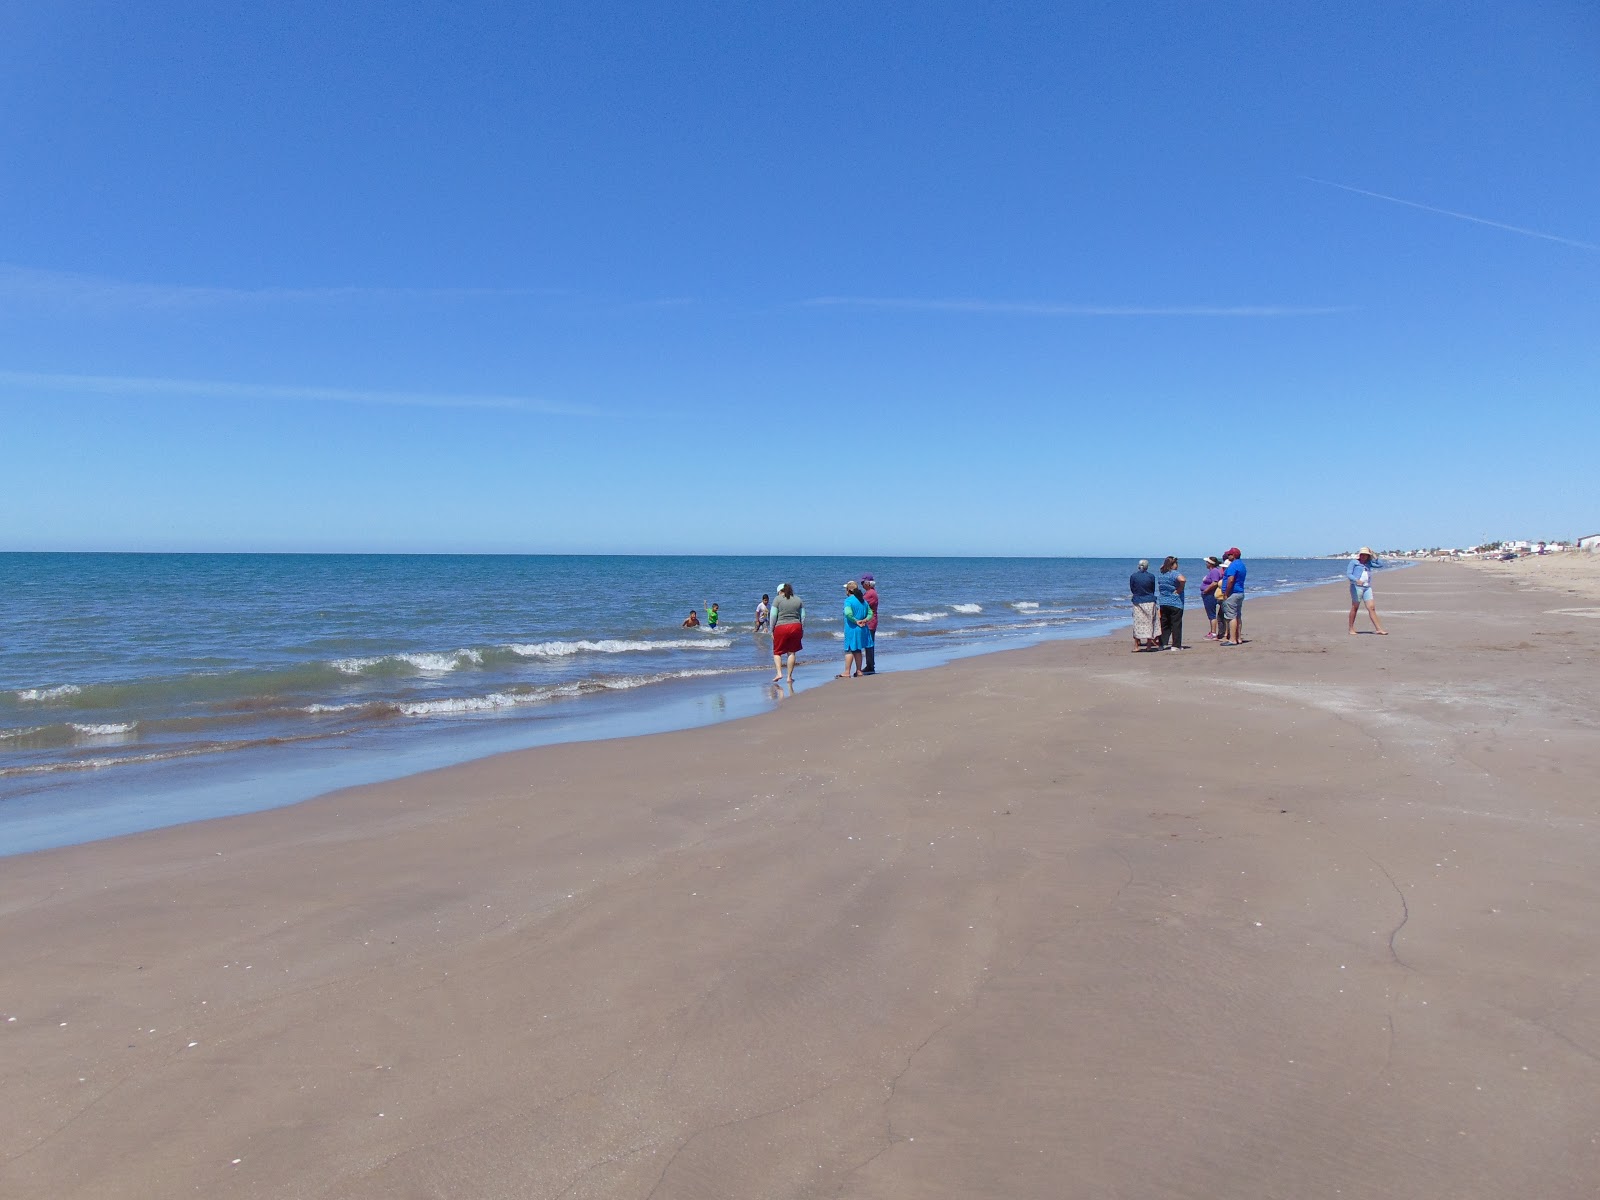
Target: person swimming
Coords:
[[692, 621]]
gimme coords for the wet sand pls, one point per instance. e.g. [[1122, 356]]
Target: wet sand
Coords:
[[1311, 917]]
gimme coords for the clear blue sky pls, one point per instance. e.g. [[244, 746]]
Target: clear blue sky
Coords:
[[825, 277]]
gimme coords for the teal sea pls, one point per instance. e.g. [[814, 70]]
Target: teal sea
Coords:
[[145, 690]]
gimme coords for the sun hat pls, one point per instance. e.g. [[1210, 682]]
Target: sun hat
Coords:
[[866, 577], [850, 584], [1367, 550], [1211, 560]]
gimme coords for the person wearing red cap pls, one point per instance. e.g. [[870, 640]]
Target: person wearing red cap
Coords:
[[1232, 592], [869, 593]]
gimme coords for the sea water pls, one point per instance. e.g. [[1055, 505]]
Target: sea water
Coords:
[[144, 690]]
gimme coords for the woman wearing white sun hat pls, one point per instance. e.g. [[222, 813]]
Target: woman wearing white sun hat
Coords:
[[1359, 573]]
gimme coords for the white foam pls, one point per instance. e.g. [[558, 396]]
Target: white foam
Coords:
[[1025, 605], [967, 609], [616, 646], [354, 666], [497, 701], [332, 708], [427, 663], [106, 730], [918, 616], [439, 664], [46, 694], [20, 733], [469, 704]]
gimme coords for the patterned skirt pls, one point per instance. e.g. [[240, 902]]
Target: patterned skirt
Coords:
[[1146, 620]]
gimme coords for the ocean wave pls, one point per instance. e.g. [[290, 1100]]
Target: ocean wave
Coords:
[[566, 649], [516, 698], [106, 730], [1025, 605], [26, 731], [45, 695], [426, 663], [918, 616], [100, 764], [966, 609]]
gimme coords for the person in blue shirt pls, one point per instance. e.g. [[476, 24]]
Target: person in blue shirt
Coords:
[[1146, 614], [856, 616], [1232, 590], [1359, 573], [1169, 594]]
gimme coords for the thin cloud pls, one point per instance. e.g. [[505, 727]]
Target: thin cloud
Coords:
[[210, 389], [1009, 308], [68, 289], [1460, 216]]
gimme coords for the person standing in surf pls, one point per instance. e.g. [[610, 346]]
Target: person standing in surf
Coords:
[[788, 624], [763, 614]]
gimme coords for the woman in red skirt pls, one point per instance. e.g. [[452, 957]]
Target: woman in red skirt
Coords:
[[788, 622]]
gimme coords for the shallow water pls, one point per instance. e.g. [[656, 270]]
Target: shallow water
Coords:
[[143, 690]]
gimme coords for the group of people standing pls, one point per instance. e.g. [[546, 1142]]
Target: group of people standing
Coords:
[[786, 617], [1159, 600]]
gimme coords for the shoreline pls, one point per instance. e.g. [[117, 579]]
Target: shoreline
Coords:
[[93, 804], [1306, 918]]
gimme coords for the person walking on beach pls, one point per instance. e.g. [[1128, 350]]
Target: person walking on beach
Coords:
[[763, 613], [856, 615], [1146, 617], [788, 624], [1360, 574], [1169, 595], [1208, 594], [869, 593], [1232, 590]]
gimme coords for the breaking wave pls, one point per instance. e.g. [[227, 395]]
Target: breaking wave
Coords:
[[45, 695]]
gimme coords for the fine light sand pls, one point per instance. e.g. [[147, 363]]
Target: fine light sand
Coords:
[[1577, 574], [1316, 917]]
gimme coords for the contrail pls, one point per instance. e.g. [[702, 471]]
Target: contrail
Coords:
[[66, 287], [1445, 212], [123, 385], [1005, 307]]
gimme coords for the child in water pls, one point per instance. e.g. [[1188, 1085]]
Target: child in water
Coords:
[[711, 617], [692, 621]]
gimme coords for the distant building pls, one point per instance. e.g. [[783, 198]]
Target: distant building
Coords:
[[1591, 542]]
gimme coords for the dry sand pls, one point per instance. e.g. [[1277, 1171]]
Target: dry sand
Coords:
[[1576, 573], [1315, 917]]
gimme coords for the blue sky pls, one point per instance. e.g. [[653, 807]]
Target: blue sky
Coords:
[[894, 278]]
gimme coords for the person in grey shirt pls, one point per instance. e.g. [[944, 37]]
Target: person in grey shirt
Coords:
[[788, 623]]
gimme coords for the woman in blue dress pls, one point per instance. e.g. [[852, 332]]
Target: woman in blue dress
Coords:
[[856, 616]]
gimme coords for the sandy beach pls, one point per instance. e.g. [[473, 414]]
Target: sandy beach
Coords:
[[1312, 917]]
